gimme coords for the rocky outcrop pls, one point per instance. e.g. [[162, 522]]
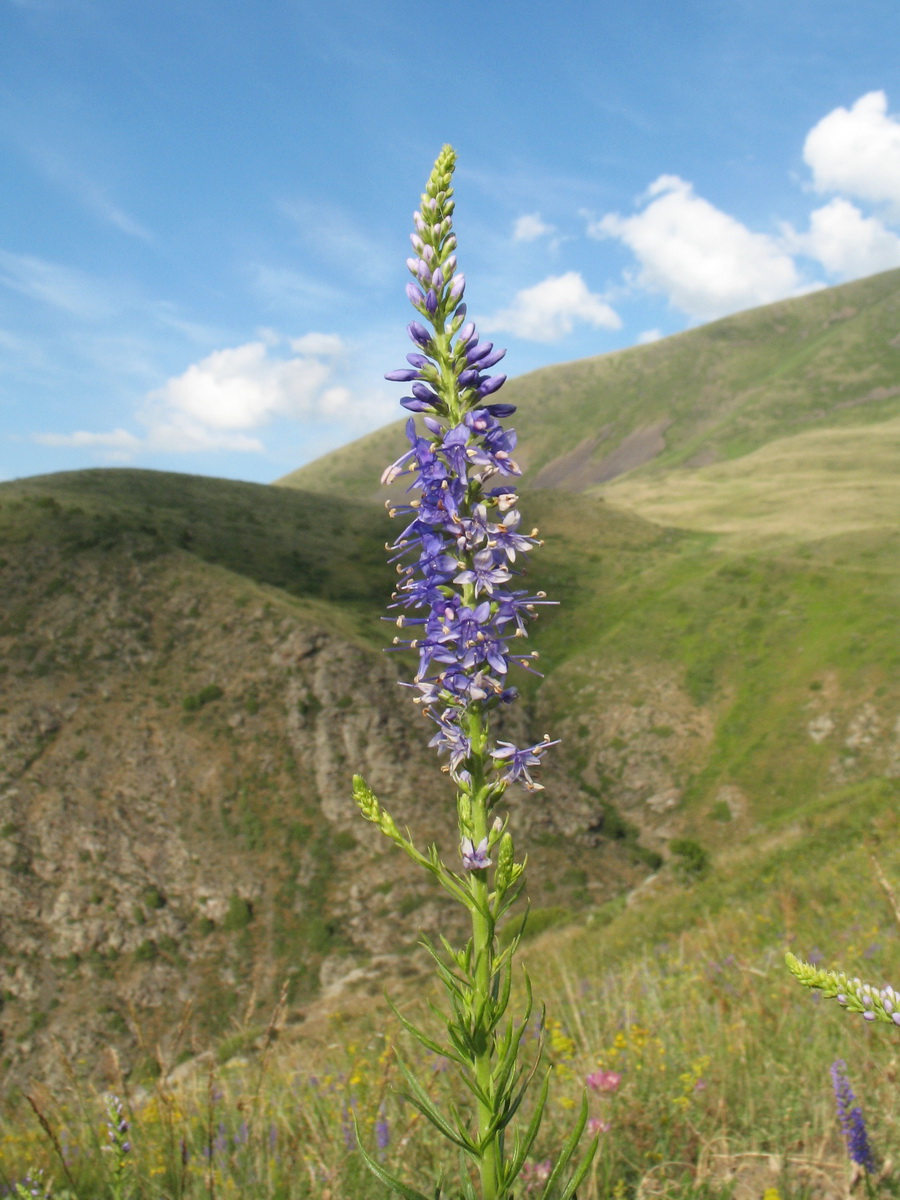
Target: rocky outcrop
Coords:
[[177, 834]]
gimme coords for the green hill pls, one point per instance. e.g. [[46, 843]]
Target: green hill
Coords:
[[829, 360], [191, 671]]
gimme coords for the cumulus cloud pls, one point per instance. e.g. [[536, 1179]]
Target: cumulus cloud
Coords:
[[225, 399], [856, 151], [846, 243], [530, 227], [705, 261], [244, 387], [648, 336], [551, 309], [218, 400]]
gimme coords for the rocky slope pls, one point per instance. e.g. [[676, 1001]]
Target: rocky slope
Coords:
[[178, 836]]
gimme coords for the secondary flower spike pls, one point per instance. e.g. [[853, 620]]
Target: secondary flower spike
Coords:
[[463, 536], [853, 1125]]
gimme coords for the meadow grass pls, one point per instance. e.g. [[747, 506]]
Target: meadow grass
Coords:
[[722, 1061], [788, 492]]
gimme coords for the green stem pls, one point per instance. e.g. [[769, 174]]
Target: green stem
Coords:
[[483, 941]]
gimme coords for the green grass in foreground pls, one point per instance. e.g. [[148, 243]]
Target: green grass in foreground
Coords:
[[723, 1059]]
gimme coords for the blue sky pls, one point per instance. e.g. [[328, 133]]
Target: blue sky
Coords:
[[206, 204]]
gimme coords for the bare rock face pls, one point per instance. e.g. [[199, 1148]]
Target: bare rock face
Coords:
[[636, 736], [177, 833]]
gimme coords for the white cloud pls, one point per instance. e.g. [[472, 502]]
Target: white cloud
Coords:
[[177, 433], [845, 242], [530, 227], [549, 310], [648, 336], [327, 344], [222, 401], [705, 261], [856, 151], [245, 387]]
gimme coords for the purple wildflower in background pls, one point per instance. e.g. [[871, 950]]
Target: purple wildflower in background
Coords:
[[220, 1145], [117, 1126], [30, 1185], [382, 1130], [463, 528], [347, 1124], [853, 1125]]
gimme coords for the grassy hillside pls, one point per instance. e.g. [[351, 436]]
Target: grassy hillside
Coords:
[[307, 545], [827, 360], [190, 672], [819, 484], [722, 670]]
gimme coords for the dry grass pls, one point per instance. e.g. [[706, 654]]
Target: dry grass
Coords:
[[796, 489]]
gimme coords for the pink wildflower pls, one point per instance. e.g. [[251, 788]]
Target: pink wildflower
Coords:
[[595, 1125], [604, 1081]]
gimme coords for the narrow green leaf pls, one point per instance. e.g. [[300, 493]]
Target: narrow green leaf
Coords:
[[422, 1101], [429, 1043], [568, 1150], [468, 1191], [459, 983], [391, 1181], [581, 1170], [501, 999], [523, 1148]]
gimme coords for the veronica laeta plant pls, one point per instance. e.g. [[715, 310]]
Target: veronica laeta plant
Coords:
[[458, 608], [852, 1122], [872, 1003]]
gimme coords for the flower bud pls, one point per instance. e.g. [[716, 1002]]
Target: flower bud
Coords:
[[503, 874], [418, 333]]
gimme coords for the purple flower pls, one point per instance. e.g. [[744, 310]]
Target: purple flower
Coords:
[[382, 1131], [117, 1126], [419, 334], [518, 762], [850, 1115], [486, 571], [475, 858], [461, 552]]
